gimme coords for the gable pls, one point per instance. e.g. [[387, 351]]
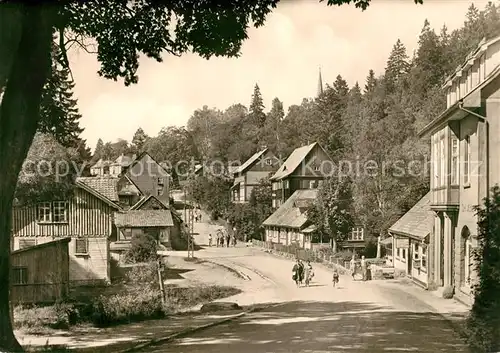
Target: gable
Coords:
[[267, 162], [152, 203], [316, 163]]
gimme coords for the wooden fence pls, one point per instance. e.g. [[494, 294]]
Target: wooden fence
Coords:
[[320, 255]]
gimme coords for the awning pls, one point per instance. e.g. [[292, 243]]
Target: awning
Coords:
[[309, 229], [387, 241]]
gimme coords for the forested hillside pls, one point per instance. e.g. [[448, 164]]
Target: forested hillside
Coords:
[[376, 120]]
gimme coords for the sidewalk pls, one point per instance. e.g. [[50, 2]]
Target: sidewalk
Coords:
[[123, 337]]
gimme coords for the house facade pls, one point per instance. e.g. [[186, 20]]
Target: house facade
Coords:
[[465, 142], [149, 216], [86, 218], [412, 242], [246, 177], [288, 224], [306, 168], [34, 280], [112, 168], [149, 177]]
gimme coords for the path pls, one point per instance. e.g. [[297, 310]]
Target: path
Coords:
[[356, 317]]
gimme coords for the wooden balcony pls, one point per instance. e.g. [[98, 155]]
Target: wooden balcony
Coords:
[[444, 198]]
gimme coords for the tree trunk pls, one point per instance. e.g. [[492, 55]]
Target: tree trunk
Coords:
[[24, 65]]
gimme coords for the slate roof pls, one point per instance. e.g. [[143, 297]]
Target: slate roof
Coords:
[[417, 222], [144, 218], [289, 214], [106, 186], [293, 161], [250, 161]]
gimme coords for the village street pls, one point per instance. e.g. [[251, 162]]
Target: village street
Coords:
[[357, 316]]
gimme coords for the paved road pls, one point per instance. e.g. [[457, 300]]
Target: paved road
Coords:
[[356, 317]]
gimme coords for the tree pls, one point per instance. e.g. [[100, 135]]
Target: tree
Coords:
[[332, 212], [483, 322], [59, 113], [138, 141], [397, 65], [143, 248], [256, 110], [98, 151], [271, 130], [47, 173], [122, 30], [370, 82]]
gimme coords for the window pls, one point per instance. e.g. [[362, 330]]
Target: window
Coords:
[[424, 257], [161, 181], [81, 246], [317, 168], [313, 184], [467, 160], [416, 249], [269, 161], [275, 186], [19, 275], [403, 254], [457, 90], [442, 163], [455, 161], [26, 243], [274, 203], [44, 212], [126, 234], [320, 183], [469, 80], [53, 212], [435, 161], [356, 234], [482, 69], [159, 191], [60, 211], [285, 184]]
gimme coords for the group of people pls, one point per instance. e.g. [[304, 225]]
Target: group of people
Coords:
[[222, 239], [364, 266], [302, 274]]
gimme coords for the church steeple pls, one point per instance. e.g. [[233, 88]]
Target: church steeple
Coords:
[[320, 84]]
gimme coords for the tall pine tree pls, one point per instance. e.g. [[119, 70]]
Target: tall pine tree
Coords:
[[397, 65], [58, 109], [257, 108]]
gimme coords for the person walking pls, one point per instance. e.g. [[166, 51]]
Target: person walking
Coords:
[[363, 267], [228, 239], [335, 278], [296, 273], [233, 238], [210, 240], [308, 273], [352, 266], [301, 272], [217, 238]]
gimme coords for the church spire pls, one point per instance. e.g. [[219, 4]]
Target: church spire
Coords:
[[320, 84]]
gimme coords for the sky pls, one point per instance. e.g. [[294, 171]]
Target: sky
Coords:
[[283, 57]]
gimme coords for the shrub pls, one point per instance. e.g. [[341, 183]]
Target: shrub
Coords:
[[37, 319], [483, 323], [143, 248], [143, 274], [135, 305]]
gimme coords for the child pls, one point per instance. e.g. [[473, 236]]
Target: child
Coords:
[[335, 277]]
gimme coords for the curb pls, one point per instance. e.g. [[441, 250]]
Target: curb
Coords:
[[190, 330]]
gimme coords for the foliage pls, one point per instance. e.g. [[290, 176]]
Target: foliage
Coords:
[[332, 212], [48, 172], [484, 320], [247, 218], [213, 193], [143, 248], [59, 113], [138, 141]]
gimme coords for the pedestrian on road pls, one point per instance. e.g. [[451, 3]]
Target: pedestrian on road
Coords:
[[296, 273], [352, 266], [308, 273], [363, 267], [210, 240], [335, 279], [218, 238], [234, 239], [227, 239], [301, 272]]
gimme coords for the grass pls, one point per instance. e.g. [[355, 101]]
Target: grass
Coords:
[[139, 299]]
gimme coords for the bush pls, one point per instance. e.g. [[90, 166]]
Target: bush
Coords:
[[143, 274], [143, 248], [483, 323], [135, 305], [38, 319]]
